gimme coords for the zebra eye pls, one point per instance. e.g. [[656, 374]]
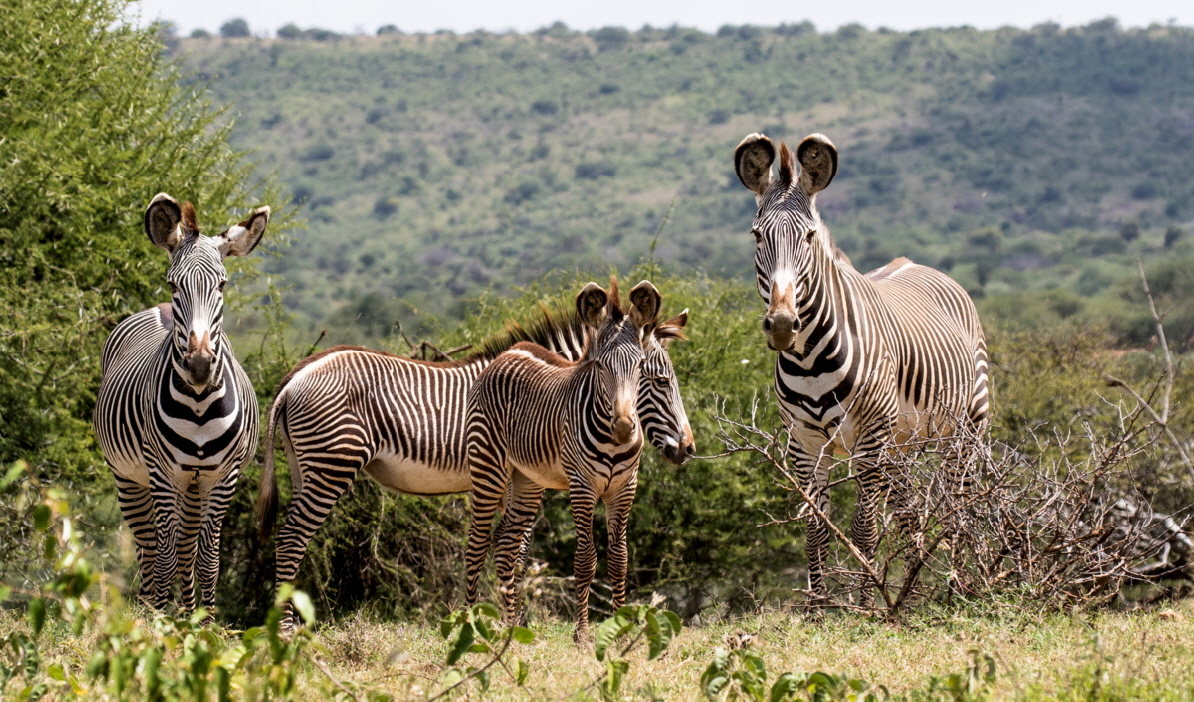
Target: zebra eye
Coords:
[[808, 236], [758, 235], [173, 287], [221, 285]]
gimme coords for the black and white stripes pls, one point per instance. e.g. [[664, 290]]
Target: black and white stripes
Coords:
[[866, 363], [537, 420], [176, 417], [403, 422]]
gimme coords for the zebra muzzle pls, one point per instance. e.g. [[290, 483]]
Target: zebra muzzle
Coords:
[[780, 329], [623, 430], [199, 359]]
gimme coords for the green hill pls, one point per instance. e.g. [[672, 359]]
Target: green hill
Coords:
[[432, 167]]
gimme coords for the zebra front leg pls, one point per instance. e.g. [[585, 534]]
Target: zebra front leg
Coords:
[[864, 528], [215, 506], [188, 537], [617, 511], [811, 472], [513, 542], [136, 506], [584, 567], [167, 504]]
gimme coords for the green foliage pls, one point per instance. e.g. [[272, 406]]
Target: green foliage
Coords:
[[164, 659], [741, 674], [478, 629], [95, 122]]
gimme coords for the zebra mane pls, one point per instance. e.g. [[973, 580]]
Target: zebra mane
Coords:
[[548, 329]]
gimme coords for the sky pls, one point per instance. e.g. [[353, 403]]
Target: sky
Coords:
[[461, 16]]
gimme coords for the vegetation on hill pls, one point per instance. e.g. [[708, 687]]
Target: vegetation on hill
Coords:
[[434, 167]]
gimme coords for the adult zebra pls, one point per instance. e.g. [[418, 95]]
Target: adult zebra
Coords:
[[402, 421], [575, 429], [176, 416], [866, 362]]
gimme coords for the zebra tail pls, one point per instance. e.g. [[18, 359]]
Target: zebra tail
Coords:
[[267, 489]]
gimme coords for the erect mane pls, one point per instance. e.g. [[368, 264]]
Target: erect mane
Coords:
[[547, 329], [189, 222]]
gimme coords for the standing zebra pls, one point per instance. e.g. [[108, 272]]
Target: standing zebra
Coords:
[[537, 420], [402, 421], [176, 416], [866, 362]]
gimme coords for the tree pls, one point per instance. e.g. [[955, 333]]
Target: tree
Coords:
[[235, 28], [95, 122]]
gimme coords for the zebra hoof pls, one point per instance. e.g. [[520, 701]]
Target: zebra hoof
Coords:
[[583, 638]]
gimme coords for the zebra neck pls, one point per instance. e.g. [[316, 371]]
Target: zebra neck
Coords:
[[826, 315]]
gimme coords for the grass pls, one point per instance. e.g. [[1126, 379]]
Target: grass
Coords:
[[1084, 656], [1035, 656]]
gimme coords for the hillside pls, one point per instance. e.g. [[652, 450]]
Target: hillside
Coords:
[[433, 167]]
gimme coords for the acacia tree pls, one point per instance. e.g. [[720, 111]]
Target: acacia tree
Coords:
[[94, 120]]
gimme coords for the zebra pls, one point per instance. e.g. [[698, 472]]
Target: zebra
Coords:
[[865, 363], [575, 429], [402, 422], [176, 416]]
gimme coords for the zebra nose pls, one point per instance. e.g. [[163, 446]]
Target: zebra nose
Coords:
[[779, 327], [199, 366], [623, 430]]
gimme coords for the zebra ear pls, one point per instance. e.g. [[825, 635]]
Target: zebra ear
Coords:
[[818, 162], [645, 301], [590, 305], [241, 239], [161, 222], [672, 329], [752, 163]]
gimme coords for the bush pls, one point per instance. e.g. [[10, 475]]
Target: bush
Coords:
[[610, 38], [75, 258], [235, 28], [290, 31]]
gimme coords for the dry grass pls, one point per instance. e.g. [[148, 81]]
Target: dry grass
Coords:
[[1032, 654], [1038, 658]]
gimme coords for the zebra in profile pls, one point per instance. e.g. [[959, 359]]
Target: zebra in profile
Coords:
[[537, 420], [402, 422], [866, 363], [176, 416]]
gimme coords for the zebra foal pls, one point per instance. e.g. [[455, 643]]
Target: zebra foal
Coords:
[[865, 363], [176, 416], [537, 420], [402, 422]]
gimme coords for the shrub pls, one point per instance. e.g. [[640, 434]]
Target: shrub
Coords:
[[234, 28]]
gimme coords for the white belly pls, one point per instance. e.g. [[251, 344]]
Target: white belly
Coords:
[[402, 474]]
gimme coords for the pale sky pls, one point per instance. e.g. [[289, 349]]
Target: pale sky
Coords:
[[461, 16]]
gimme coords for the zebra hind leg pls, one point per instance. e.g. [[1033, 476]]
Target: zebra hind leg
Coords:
[[309, 509], [137, 508], [490, 476]]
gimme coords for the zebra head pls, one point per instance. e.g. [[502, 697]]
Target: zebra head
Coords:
[[615, 352], [788, 230], [660, 407], [196, 277]]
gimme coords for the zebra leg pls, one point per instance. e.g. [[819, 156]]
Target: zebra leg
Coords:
[[490, 476], [812, 473], [188, 535], [166, 507], [310, 506], [215, 505], [137, 508], [617, 510], [864, 529], [513, 541], [585, 565]]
